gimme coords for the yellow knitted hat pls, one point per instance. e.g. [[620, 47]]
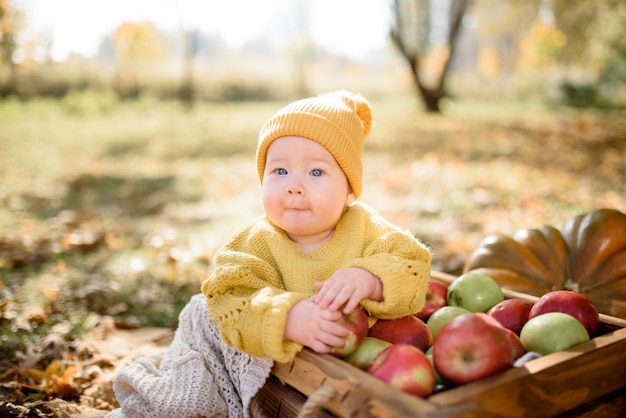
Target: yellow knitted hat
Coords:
[[340, 121]]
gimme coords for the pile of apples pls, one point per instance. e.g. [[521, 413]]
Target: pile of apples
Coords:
[[466, 331]]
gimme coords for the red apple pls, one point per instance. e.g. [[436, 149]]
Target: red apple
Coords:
[[517, 348], [471, 347], [573, 303], [406, 368], [436, 297], [511, 313], [408, 329], [355, 321]]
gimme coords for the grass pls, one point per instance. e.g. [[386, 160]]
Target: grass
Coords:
[[116, 208], [116, 212]]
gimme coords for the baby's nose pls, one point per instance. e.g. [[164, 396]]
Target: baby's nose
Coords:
[[295, 189]]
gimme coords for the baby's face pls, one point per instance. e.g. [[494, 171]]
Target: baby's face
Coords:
[[304, 189]]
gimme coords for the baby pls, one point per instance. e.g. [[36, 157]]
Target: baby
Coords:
[[282, 283]]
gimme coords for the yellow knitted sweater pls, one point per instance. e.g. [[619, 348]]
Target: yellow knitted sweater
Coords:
[[260, 274]]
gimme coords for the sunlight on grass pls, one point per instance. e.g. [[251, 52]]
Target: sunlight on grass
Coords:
[[122, 206]]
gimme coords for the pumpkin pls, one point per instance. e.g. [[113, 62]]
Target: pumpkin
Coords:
[[587, 255]]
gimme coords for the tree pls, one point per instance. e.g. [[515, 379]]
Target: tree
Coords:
[[9, 25], [191, 49], [595, 37], [135, 45], [412, 33]]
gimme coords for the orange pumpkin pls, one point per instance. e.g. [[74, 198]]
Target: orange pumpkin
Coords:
[[587, 255]]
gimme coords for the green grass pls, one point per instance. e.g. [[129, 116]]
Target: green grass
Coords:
[[154, 189]]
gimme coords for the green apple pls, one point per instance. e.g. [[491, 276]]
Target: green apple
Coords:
[[443, 315], [438, 379], [551, 332], [365, 353], [475, 292]]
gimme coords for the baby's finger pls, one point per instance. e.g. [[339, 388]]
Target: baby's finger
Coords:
[[329, 315], [345, 295], [351, 305], [335, 329], [327, 296], [320, 347], [323, 288]]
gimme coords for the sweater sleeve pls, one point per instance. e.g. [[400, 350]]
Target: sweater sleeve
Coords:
[[245, 296], [403, 266], [400, 261]]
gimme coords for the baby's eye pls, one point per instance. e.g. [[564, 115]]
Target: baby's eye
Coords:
[[316, 172], [281, 171]]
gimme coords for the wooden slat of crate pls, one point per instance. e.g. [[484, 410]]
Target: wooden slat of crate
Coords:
[[279, 400], [548, 386], [358, 393], [611, 405]]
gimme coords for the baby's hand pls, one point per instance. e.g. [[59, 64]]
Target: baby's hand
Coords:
[[348, 287], [315, 328]]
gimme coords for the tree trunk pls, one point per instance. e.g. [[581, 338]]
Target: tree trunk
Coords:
[[431, 96], [187, 89]]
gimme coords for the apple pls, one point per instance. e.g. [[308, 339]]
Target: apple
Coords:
[[438, 379], [436, 297], [356, 321], [406, 368], [551, 332], [517, 348], [366, 352], [471, 347], [475, 292], [569, 302], [511, 313], [408, 329], [443, 315]]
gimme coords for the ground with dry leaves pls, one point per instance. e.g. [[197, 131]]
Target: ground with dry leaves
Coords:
[[109, 219]]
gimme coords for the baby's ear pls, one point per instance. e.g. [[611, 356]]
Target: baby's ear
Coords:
[[351, 198]]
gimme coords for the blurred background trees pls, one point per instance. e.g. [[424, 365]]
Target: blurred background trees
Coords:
[[554, 50]]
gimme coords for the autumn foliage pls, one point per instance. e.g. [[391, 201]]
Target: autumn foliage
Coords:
[[110, 214]]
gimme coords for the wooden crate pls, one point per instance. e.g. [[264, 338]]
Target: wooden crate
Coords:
[[586, 380]]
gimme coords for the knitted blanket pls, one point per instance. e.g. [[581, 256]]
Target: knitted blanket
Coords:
[[197, 376]]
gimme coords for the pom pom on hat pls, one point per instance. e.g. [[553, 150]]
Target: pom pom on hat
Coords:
[[340, 121]]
